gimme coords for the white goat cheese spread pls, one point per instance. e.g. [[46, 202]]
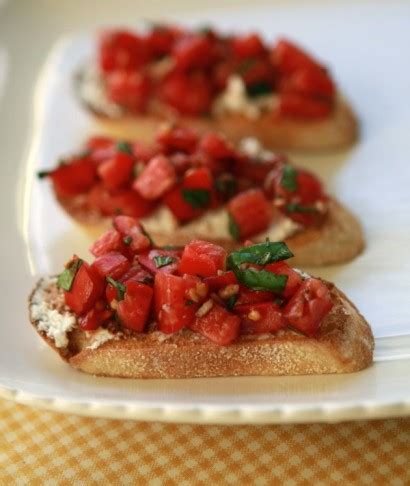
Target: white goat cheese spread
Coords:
[[54, 323], [100, 337], [234, 99]]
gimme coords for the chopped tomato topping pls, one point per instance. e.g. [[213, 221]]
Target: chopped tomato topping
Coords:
[[177, 139], [95, 317], [288, 58], [308, 306], [99, 142], [296, 105], [130, 203], [143, 151], [74, 177], [309, 82], [110, 241], [121, 50], [218, 325], [157, 178], [111, 264], [216, 146], [137, 274], [128, 89], [251, 212], [256, 171], [86, 289], [173, 307], [260, 318], [221, 280], [202, 258], [161, 39], [134, 310], [116, 171], [249, 45], [131, 229], [249, 296], [158, 260], [193, 51], [294, 279]]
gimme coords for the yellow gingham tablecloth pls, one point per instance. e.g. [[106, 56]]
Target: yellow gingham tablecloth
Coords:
[[41, 447]]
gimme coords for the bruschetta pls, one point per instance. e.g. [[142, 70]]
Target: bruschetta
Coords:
[[184, 185], [238, 84], [141, 311]]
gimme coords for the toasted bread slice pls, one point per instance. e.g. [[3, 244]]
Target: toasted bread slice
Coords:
[[338, 239], [338, 130], [344, 344]]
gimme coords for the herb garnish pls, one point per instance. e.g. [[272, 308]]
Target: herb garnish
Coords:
[[197, 198], [231, 301], [124, 147], [43, 173], [258, 89], [163, 260], [127, 240], [119, 286], [233, 228], [259, 254], [288, 180], [299, 208], [261, 280], [66, 278], [145, 233]]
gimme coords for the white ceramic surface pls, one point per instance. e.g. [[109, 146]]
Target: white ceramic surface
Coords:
[[41, 120]]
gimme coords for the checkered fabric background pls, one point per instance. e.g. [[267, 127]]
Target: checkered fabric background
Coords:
[[47, 448]]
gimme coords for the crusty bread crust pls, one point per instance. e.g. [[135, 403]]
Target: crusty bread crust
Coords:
[[345, 344], [338, 239], [338, 130]]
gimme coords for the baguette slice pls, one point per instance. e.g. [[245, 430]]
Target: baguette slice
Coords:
[[337, 131], [339, 239], [344, 344]]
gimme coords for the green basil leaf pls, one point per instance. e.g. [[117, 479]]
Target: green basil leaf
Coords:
[[124, 147], [289, 178], [258, 89], [119, 286], [260, 254], [197, 198], [231, 301], [163, 260], [44, 173], [261, 280], [127, 240], [66, 278], [299, 208], [233, 228], [145, 232]]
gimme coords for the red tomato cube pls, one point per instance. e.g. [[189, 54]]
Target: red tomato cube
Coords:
[[110, 241], [251, 212], [111, 264], [129, 227], [116, 171], [94, 318], [77, 176], [156, 260], [202, 258], [157, 178], [218, 325], [133, 311], [295, 105], [128, 89], [87, 288], [294, 279], [249, 45], [289, 57], [260, 318]]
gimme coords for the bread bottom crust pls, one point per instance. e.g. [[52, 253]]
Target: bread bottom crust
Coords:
[[338, 130], [344, 344]]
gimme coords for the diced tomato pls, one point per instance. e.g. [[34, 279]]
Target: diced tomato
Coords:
[[221, 280], [249, 45], [260, 318], [190, 94], [177, 139], [143, 151], [120, 49], [294, 279], [137, 274], [256, 170], [221, 73], [184, 209], [251, 212], [149, 258], [259, 72], [216, 146], [74, 177], [288, 58], [128, 89], [173, 308], [99, 142], [100, 199], [116, 171], [111, 293], [111, 264], [308, 306], [295, 105], [110, 241], [130, 203], [161, 39], [202, 258], [309, 82], [249, 296], [86, 289], [193, 51], [157, 178], [218, 325], [95, 317], [130, 227], [134, 309]]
